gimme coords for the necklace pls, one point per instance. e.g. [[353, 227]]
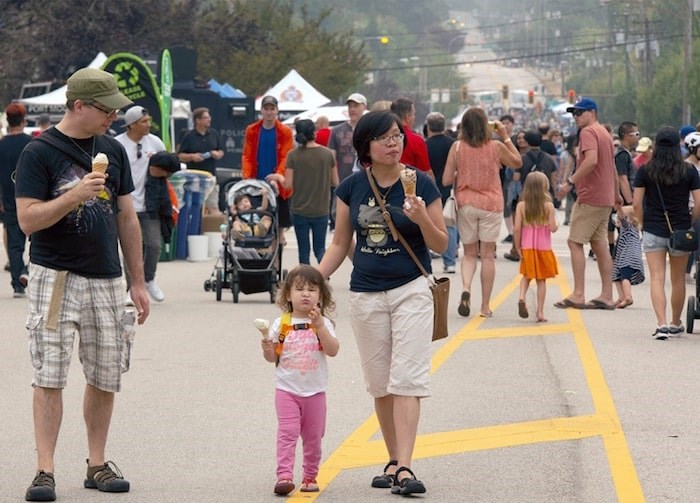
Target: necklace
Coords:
[[82, 149]]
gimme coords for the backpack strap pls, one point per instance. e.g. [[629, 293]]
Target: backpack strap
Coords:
[[287, 326], [62, 147]]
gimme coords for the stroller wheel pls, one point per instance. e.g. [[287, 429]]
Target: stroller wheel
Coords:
[[207, 285], [690, 315], [219, 283], [273, 292], [236, 290]]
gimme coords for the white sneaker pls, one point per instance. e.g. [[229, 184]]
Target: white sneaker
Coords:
[[154, 291], [450, 269]]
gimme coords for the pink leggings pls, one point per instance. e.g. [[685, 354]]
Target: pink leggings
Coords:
[[299, 415]]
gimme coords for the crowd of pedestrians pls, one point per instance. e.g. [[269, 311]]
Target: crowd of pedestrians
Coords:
[[380, 187]]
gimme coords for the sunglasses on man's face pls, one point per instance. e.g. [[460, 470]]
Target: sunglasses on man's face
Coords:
[[578, 113]]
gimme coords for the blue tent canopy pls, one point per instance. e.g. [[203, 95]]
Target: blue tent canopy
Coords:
[[225, 90]]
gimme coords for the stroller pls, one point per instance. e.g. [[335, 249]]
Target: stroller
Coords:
[[250, 262]]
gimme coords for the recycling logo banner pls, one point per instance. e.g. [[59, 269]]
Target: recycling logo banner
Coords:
[[136, 82]]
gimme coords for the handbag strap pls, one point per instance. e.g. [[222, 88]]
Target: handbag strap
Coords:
[[394, 231], [663, 207]]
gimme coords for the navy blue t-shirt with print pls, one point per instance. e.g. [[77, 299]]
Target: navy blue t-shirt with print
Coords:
[[379, 262], [85, 241], [675, 199]]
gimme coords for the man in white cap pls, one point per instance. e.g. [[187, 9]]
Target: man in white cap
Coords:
[[340, 142], [140, 145], [77, 216]]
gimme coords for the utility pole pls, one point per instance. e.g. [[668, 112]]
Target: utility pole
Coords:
[[627, 54], [687, 50], [647, 50]]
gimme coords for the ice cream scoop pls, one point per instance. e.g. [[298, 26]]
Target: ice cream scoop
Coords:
[[264, 326], [408, 180], [100, 163]]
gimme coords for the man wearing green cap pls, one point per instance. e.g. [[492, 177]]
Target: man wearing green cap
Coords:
[[77, 216]]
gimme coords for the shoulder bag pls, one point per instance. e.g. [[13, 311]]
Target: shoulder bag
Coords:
[[449, 210], [439, 287], [684, 241]]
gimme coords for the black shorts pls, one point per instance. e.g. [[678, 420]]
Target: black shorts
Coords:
[[284, 217]]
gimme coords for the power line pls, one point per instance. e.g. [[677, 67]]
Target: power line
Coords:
[[562, 52]]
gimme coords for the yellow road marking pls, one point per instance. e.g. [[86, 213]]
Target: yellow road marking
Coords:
[[359, 450]]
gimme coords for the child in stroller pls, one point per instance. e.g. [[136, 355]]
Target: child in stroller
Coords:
[[249, 224], [250, 258]]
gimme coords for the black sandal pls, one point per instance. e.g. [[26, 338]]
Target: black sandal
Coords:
[[463, 308], [385, 480], [408, 485]]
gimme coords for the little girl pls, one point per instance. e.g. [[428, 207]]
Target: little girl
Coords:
[[298, 343], [628, 268], [532, 235]]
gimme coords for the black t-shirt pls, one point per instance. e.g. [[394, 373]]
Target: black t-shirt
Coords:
[[438, 148], [676, 199], [195, 143], [538, 161], [379, 262], [624, 166], [85, 241], [11, 147]]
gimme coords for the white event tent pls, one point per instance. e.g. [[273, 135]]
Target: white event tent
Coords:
[[336, 114], [54, 102], [294, 94]]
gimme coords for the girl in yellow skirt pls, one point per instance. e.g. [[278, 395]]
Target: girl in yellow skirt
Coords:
[[532, 235]]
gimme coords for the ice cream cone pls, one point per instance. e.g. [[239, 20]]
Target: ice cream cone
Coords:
[[100, 163], [408, 180], [264, 326]]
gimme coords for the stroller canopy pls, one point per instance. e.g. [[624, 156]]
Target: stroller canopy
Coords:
[[254, 188]]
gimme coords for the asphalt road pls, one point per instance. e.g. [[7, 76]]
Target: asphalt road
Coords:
[[584, 408]]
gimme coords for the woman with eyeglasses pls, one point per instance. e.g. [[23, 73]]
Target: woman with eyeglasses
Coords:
[[473, 165], [391, 306]]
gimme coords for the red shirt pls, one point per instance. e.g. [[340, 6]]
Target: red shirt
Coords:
[[322, 136], [415, 153]]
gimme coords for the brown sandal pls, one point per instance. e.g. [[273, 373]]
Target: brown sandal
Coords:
[[522, 309]]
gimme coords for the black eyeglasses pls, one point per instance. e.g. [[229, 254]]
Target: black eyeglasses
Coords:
[[139, 148], [578, 113], [109, 113]]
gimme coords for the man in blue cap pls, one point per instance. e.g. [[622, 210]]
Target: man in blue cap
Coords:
[[598, 191]]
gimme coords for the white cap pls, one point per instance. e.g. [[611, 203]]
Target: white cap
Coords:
[[357, 98], [134, 114]]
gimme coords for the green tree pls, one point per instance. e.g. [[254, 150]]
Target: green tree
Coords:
[[254, 44]]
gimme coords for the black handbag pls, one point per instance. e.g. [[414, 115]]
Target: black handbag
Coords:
[[683, 240]]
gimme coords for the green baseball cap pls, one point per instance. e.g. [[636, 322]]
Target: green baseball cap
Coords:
[[97, 85]]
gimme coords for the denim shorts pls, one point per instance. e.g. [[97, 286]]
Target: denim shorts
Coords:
[[652, 243]]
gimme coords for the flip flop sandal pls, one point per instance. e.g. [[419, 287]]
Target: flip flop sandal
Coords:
[[522, 309], [385, 480], [407, 485], [463, 308]]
